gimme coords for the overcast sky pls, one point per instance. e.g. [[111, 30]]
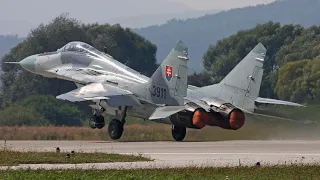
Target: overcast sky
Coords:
[[19, 16], [220, 4]]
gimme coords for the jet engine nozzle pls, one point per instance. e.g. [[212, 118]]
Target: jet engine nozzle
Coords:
[[234, 120]]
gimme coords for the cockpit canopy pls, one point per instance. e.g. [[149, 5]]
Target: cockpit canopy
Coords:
[[77, 46], [81, 47]]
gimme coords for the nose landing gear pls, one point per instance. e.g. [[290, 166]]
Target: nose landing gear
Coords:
[[97, 121]]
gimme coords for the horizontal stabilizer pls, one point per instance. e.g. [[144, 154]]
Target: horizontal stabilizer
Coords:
[[278, 102], [165, 111]]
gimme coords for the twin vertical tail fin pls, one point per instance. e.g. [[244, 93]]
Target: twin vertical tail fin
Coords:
[[168, 84], [242, 85]]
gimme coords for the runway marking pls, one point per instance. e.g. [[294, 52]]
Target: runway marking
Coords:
[[263, 154]]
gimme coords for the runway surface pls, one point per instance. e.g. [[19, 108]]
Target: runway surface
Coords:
[[180, 154]]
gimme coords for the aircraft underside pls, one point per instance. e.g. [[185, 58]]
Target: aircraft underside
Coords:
[[225, 116], [118, 117]]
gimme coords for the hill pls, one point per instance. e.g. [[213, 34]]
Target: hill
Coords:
[[140, 21], [7, 42], [199, 33]]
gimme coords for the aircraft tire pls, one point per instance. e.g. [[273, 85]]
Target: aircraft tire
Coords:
[[115, 129], [178, 133], [92, 122], [100, 122]]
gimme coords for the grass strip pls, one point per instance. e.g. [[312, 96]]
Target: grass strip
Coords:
[[9, 157], [257, 173]]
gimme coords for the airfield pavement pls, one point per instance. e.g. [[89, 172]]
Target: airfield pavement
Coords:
[[180, 154]]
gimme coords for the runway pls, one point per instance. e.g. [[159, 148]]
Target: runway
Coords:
[[180, 154]]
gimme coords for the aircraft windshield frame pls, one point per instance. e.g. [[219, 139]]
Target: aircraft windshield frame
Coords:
[[80, 47]]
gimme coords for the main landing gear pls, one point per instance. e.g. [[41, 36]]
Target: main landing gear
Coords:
[[178, 132], [115, 128]]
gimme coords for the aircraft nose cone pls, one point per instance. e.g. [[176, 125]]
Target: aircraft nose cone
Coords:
[[28, 63]]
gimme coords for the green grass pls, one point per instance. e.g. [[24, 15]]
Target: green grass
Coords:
[[257, 173], [9, 157]]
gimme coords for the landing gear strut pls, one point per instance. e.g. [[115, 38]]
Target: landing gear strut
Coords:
[[178, 132], [115, 128]]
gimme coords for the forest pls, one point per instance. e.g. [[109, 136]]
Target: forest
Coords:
[[291, 67]]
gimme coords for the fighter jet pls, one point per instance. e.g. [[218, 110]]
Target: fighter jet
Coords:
[[114, 88], [165, 97]]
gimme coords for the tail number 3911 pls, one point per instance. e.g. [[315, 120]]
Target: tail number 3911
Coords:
[[159, 92]]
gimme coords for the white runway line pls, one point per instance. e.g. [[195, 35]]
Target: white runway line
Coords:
[[255, 154]]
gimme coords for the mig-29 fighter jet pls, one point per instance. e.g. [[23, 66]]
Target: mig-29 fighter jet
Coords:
[[115, 88], [120, 91]]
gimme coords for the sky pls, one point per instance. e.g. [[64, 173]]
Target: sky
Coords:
[[220, 4], [19, 16]]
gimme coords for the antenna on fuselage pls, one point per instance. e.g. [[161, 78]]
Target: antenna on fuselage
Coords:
[[105, 49]]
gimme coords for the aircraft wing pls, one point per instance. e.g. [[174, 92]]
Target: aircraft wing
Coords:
[[114, 96], [275, 101]]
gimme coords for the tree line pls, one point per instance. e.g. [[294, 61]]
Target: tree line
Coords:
[[291, 67]]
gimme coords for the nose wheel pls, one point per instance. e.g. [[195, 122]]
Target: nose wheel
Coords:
[[97, 121], [178, 132]]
